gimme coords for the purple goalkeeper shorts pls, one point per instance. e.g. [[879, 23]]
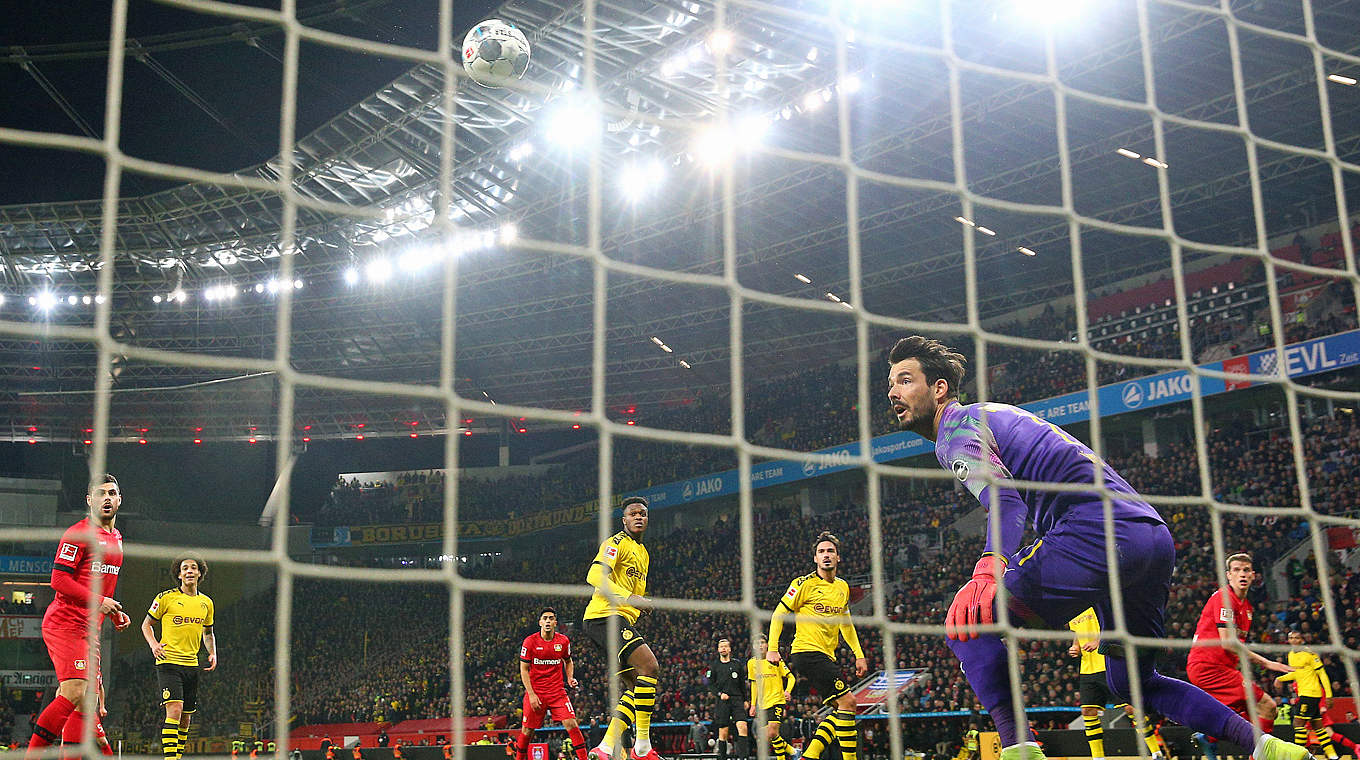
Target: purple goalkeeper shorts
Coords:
[[1060, 575]]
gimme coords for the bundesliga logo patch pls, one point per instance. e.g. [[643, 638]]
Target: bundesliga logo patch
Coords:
[[611, 552], [68, 552]]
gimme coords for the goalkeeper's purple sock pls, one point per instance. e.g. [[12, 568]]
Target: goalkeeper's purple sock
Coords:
[[1183, 703], [984, 664]]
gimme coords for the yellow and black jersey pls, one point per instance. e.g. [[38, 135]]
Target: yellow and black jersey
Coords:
[[183, 618], [769, 682], [827, 603], [1087, 627], [619, 568], [1309, 676]]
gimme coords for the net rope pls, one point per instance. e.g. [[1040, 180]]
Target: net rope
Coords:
[[445, 58]]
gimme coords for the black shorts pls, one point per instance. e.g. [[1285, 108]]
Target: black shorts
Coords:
[[179, 683], [1095, 691], [597, 630], [728, 712], [776, 713], [822, 674], [1308, 708]]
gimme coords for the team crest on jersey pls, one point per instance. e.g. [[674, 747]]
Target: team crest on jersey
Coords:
[[557, 647], [611, 552], [68, 552], [961, 470], [80, 664], [165, 693], [627, 634]]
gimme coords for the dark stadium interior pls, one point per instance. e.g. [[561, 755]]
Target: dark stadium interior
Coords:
[[1058, 229]]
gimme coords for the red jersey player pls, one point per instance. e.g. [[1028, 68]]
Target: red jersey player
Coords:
[[546, 669], [89, 558], [1220, 634]]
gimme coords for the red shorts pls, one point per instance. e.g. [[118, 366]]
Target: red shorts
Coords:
[[559, 707], [1222, 683], [70, 652]]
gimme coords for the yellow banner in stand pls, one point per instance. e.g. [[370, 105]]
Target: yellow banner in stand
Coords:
[[504, 528]]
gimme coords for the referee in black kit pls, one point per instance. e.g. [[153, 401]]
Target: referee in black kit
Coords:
[[727, 681]]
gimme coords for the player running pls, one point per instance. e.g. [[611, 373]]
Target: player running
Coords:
[[1220, 634], [78, 578], [771, 683], [727, 683], [822, 603], [546, 669], [1065, 571], [619, 575], [186, 617]]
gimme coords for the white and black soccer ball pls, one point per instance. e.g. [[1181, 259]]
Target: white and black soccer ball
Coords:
[[495, 53]]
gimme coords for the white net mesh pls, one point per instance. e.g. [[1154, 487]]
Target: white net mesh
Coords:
[[1007, 131]]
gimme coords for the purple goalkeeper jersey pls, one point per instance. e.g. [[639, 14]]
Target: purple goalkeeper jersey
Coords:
[[1015, 444]]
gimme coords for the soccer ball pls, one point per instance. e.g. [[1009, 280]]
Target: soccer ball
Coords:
[[495, 53]]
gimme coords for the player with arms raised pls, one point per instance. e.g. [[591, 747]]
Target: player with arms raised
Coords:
[[546, 669], [84, 573], [619, 575], [1065, 571], [821, 602], [186, 616]]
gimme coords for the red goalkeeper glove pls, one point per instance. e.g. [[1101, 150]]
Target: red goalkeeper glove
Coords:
[[973, 605]]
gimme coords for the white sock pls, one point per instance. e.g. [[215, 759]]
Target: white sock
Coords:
[[608, 748], [642, 746], [1259, 749]]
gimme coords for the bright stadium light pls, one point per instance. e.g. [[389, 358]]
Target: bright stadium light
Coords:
[[803, 279], [574, 123], [521, 151], [84, 299], [1154, 163], [352, 276], [812, 101], [99, 299], [986, 230], [259, 287], [46, 300], [1126, 153], [297, 284], [1027, 251], [273, 285], [379, 270], [712, 146], [751, 130], [179, 295], [1340, 79], [509, 233], [72, 300], [156, 298], [639, 179], [415, 259], [684, 364], [720, 41], [851, 84]]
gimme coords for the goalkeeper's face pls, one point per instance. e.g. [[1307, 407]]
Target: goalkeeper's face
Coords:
[[912, 398], [826, 556]]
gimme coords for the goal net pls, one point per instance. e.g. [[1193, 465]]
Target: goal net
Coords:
[[669, 262]]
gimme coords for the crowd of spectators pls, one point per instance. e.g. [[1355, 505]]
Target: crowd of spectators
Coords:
[[380, 651]]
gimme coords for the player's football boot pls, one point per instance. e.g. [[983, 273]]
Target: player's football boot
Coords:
[[1025, 751], [599, 754], [651, 755], [1274, 748]]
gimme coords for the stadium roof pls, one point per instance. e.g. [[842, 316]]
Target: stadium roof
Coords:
[[369, 183]]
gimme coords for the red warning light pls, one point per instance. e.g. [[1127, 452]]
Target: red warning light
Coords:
[[414, 435], [359, 437], [142, 441], [467, 432], [198, 441], [632, 422], [251, 440], [575, 427], [35, 440], [88, 442]]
